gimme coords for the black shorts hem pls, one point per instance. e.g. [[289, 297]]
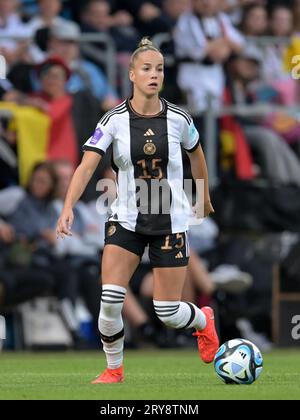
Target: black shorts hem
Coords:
[[168, 265], [127, 248]]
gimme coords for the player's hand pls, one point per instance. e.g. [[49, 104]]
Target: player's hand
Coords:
[[64, 224], [208, 209], [203, 210]]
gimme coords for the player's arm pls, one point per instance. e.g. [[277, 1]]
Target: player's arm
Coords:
[[199, 171], [191, 144], [94, 148], [77, 186]]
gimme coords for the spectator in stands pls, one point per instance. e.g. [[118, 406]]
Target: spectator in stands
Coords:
[[28, 8], [152, 20], [296, 14], [281, 25], [8, 153], [57, 103], [86, 76], [96, 17], [10, 199], [35, 207], [18, 282], [36, 239], [72, 117], [204, 40], [40, 24], [47, 16], [235, 8], [278, 163], [254, 20], [12, 26], [64, 42], [82, 248], [146, 14], [278, 76]]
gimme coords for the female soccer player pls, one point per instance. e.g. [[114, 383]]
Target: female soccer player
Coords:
[[146, 132]]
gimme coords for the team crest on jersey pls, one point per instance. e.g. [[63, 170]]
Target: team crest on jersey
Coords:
[[149, 148], [111, 230]]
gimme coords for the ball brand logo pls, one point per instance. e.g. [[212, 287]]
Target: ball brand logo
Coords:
[[2, 328], [296, 329], [3, 67], [296, 67]]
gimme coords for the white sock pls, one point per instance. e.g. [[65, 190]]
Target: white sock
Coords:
[[111, 324], [176, 314]]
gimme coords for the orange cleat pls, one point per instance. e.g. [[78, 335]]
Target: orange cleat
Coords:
[[110, 376], [208, 341]]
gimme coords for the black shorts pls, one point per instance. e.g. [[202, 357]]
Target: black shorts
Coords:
[[164, 250]]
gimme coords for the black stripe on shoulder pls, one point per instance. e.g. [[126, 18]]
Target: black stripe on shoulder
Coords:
[[193, 148], [93, 149], [121, 111], [112, 110], [107, 116], [180, 110], [183, 113], [109, 112], [179, 113]]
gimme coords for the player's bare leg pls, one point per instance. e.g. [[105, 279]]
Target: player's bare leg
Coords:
[[118, 266], [168, 286]]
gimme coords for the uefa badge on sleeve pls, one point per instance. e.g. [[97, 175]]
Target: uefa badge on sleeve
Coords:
[[98, 134]]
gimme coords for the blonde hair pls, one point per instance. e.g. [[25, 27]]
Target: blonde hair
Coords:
[[145, 45]]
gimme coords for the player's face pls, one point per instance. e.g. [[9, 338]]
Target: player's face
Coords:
[[147, 73]]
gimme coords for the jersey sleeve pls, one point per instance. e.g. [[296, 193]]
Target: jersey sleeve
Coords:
[[190, 139], [101, 139]]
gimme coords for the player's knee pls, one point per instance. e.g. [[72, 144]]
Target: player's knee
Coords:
[[168, 313]]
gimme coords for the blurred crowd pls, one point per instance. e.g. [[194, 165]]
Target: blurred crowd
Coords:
[[218, 53]]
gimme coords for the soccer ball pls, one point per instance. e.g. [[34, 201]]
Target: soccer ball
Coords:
[[238, 362]]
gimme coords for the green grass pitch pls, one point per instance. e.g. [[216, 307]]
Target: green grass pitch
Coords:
[[150, 374]]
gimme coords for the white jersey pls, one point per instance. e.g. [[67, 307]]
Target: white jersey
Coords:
[[147, 156]]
